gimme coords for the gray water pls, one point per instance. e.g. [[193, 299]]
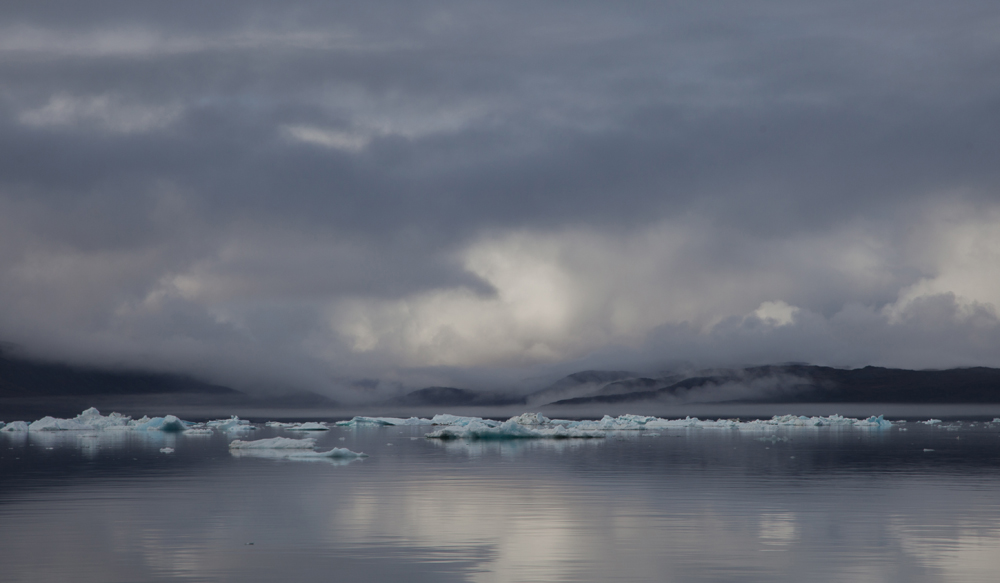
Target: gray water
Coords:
[[828, 504]]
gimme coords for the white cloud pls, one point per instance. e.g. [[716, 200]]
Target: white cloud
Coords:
[[338, 140], [776, 313], [104, 112]]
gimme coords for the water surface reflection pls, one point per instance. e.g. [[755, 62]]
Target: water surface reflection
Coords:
[[687, 505]]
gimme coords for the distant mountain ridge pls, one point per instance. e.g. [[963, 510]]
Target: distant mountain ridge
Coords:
[[23, 379], [29, 378], [453, 397], [800, 383]]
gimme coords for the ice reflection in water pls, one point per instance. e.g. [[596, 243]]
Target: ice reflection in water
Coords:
[[689, 505]]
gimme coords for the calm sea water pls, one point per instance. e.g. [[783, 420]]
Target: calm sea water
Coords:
[[828, 504]]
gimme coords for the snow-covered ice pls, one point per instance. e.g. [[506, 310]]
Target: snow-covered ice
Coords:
[[15, 427], [166, 450]]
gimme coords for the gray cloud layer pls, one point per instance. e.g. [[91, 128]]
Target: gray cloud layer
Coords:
[[307, 194]]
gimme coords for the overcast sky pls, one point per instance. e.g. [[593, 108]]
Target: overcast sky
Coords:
[[330, 195]]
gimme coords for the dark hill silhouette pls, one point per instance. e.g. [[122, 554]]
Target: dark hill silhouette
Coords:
[[28, 378], [452, 397], [819, 384]]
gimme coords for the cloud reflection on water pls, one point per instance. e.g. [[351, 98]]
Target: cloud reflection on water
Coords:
[[686, 506]]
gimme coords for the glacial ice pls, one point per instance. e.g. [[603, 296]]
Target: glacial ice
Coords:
[[15, 426], [526, 425], [931, 422], [390, 421], [535, 425], [52, 424], [231, 425], [92, 420], [511, 429], [336, 456], [288, 448], [168, 424], [198, 431]]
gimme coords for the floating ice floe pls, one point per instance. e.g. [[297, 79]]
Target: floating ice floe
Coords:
[[390, 421], [274, 443], [288, 448], [92, 420], [309, 426], [511, 429], [232, 425], [198, 431], [931, 422], [168, 424], [536, 425], [166, 450]]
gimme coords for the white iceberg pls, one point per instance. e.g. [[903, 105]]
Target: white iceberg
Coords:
[[91, 419], [168, 424], [931, 422], [537, 425], [336, 456], [288, 448], [511, 429], [166, 450], [53, 424], [232, 425], [456, 420], [530, 419], [94, 420], [15, 427]]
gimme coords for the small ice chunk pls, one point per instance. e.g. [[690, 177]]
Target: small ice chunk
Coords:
[[166, 450], [198, 431], [928, 449], [274, 443], [931, 422]]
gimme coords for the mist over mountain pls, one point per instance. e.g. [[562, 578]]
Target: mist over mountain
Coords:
[[365, 199], [806, 384]]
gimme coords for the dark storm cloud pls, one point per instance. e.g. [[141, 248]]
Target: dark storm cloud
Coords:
[[345, 186]]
